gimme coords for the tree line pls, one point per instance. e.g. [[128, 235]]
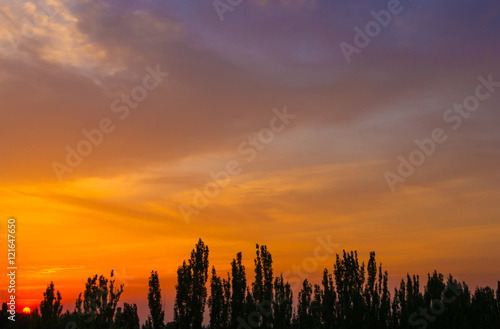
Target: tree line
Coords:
[[352, 296]]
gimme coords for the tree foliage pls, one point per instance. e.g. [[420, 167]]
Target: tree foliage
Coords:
[[352, 296], [155, 303], [191, 292], [51, 307]]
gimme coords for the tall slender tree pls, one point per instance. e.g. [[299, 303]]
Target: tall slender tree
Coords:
[[371, 293], [226, 311], [250, 311], [385, 299], [218, 302], [349, 279], [316, 309], [304, 318], [183, 297], [263, 285], [283, 304], [199, 267], [155, 302], [239, 287], [329, 300], [191, 292]]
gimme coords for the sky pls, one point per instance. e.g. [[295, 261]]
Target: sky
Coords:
[[130, 129]]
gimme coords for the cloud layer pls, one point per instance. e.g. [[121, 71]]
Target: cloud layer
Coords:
[[65, 64]]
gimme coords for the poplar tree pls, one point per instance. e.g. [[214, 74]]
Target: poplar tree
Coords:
[[199, 267], [283, 304], [155, 302], [239, 287], [183, 297], [263, 285], [304, 318], [349, 279], [219, 301], [329, 300], [191, 292], [316, 309]]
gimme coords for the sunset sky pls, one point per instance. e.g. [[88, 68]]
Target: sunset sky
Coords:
[[263, 89]]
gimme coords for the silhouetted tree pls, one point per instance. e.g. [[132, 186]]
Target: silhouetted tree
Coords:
[[349, 279], [219, 302], [251, 315], [155, 302], [199, 266], [432, 297], [456, 298], [258, 284], [3, 315], [67, 320], [385, 299], [170, 325], [371, 293], [36, 320], [128, 317], [283, 304], [484, 309], [262, 288], [316, 308], [191, 292], [409, 300], [183, 297], [328, 301], [99, 302], [304, 318], [498, 299], [350, 298], [51, 307], [239, 287], [148, 324]]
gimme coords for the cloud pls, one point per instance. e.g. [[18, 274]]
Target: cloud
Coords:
[[323, 175], [57, 269]]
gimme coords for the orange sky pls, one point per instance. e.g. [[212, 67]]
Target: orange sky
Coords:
[[321, 174]]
